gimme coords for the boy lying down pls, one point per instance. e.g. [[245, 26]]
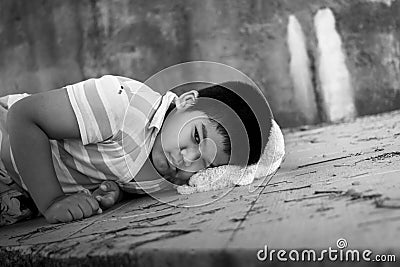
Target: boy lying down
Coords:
[[71, 152]]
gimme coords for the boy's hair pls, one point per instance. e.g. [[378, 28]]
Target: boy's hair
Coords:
[[235, 105]]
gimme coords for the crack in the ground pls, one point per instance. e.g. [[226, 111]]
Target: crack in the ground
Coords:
[[324, 161], [63, 250], [355, 195], [287, 189], [212, 211], [156, 204], [110, 241], [388, 203], [240, 222], [43, 229], [384, 156], [169, 234]]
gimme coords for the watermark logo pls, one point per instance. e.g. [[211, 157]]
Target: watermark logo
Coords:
[[341, 243], [331, 254]]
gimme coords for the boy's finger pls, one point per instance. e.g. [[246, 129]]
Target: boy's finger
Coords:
[[60, 217], [107, 201], [104, 201], [67, 217], [108, 186], [86, 209], [93, 203], [103, 187], [76, 212], [99, 192]]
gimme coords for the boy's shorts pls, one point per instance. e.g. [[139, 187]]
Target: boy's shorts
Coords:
[[15, 203]]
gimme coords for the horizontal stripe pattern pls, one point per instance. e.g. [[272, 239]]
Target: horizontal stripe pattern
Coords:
[[98, 109], [116, 116], [113, 117]]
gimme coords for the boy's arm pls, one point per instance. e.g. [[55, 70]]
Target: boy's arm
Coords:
[[31, 122]]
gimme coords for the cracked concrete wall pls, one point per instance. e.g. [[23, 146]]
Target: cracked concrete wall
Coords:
[[47, 44]]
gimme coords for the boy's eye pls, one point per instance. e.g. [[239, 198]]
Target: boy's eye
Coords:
[[196, 136]]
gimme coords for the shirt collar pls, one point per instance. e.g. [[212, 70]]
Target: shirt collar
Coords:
[[158, 117]]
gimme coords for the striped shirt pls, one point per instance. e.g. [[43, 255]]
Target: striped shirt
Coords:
[[119, 119]]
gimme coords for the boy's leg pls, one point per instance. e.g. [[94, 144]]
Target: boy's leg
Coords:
[[15, 203]]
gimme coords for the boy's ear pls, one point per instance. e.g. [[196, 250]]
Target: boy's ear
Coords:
[[187, 99]]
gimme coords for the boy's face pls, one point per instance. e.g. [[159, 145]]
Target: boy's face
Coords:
[[187, 143]]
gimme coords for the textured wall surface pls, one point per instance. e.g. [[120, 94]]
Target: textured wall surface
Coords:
[[50, 43]]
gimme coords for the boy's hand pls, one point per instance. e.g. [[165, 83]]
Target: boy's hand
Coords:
[[107, 194], [73, 207]]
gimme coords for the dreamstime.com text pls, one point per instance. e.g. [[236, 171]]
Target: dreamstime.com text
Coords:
[[341, 253]]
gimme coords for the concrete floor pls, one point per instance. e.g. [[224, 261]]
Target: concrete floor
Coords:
[[337, 181]]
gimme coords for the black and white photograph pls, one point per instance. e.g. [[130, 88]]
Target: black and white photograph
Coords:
[[201, 133]]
